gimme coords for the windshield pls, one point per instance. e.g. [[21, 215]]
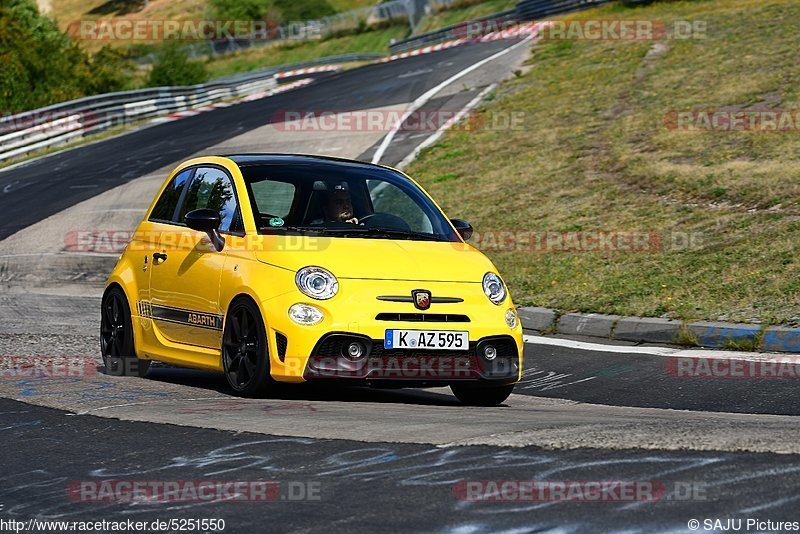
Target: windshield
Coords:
[[342, 201]]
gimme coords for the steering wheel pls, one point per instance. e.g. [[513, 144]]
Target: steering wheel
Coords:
[[380, 219]]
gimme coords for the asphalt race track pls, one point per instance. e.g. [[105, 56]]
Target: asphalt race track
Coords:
[[388, 487], [347, 459], [39, 189]]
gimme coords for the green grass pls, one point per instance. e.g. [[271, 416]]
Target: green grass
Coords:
[[449, 17], [375, 41], [594, 154]]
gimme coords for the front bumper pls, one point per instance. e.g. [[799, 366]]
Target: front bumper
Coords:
[[299, 353], [329, 360]]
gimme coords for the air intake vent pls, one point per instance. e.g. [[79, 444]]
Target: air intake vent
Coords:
[[280, 341], [424, 317]]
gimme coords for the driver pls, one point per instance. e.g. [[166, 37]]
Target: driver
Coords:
[[338, 206]]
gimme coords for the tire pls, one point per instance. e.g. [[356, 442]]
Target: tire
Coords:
[[116, 337], [245, 353], [472, 395]]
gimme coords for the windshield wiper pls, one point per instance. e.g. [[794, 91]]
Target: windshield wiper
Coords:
[[293, 228], [368, 230]]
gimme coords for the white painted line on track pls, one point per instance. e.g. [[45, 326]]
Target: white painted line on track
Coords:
[[662, 351], [424, 98], [155, 401], [444, 127]]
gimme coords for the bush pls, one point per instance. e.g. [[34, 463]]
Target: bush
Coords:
[[43, 66], [238, 9], [110, 71], [296, 10], [40, 64], [173, 67], [282, 11]]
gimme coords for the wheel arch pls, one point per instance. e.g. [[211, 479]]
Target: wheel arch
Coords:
[[115, 284]]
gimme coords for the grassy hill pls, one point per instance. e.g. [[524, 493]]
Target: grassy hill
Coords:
[[596, 154]]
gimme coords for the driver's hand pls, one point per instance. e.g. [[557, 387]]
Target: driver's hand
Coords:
[[352, 221]]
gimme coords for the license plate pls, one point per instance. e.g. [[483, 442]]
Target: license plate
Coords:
[[426, 339]]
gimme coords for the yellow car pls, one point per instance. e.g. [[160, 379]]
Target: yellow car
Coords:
[[295, 268]]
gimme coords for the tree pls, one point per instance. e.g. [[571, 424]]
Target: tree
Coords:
[[173, 67]]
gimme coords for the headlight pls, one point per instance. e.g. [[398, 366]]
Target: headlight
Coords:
[[305, 314], [494, 288], [317, 283]]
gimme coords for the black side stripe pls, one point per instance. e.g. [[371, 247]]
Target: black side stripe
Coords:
[[192, 318]]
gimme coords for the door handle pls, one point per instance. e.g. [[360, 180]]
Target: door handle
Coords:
[[159, 258]]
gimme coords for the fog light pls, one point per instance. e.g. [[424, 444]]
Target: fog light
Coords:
[[490, 353], [305, 314], [356, 350], [511, 319]]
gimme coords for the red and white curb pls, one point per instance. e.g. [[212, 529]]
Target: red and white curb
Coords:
[[255, 96], [280, 89], [523, 30], [516, 32], [426, 50], [308, 70]]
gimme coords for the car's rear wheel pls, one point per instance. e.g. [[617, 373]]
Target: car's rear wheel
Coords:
[[116, 337], [245, 355], [472, 395]]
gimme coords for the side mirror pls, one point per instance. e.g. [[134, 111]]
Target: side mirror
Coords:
[[463, 228], [208, 221]]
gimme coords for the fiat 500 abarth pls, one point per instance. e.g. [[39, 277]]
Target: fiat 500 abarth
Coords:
[[298, 268]]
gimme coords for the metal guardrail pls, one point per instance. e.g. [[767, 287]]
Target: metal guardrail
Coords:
[[63, 123], [399, 11], [525, 10], [537, 9], [456, 31]]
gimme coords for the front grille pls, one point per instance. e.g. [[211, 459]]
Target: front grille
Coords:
[[423, 317], [379, 352], [281, 342]]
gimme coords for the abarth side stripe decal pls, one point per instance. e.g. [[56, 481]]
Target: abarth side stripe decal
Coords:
[[169, 314]]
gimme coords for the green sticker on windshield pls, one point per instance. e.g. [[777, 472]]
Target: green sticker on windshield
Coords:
[[276, 221]]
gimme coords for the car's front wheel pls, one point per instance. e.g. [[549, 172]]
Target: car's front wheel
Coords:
[[116, 337], [245, 355], [481, 395]]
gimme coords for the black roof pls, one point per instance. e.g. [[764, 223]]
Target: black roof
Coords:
[[284, 159]]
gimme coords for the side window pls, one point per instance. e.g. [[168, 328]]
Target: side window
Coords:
[[211, 188], [273, 198], [168, 201]]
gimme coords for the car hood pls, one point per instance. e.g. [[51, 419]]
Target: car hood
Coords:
[[382, 259]]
